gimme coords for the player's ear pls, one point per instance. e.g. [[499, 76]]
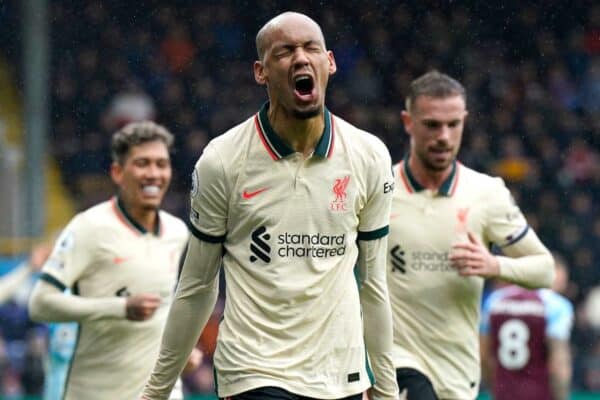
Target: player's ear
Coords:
[[407, 121], [116, 172], [332, 64], [259, 73]]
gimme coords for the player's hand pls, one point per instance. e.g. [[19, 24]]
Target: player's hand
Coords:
[[141, 307], [194, 361], [472, 258], [39, 255]]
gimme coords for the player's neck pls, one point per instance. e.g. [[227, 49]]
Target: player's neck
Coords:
[[427, 177], [302, 135], [145, 217]]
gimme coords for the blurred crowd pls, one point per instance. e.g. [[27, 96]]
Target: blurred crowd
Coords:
[[532, 73]]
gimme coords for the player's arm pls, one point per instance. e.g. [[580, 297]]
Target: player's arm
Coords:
[[198, 285], [14, 279], [559, 322], [524, 260], [375, 302], [377, 317], [73, 253], [195, 299], [196, 356], [10, 282], [49, 303], [560, 369], [527, 262]]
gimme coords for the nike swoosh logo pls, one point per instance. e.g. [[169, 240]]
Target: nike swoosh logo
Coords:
[[120, 260], [248, 195]]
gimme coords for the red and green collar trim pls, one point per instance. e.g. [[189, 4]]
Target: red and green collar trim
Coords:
[[447, 188], [278, 149], [127, 219]]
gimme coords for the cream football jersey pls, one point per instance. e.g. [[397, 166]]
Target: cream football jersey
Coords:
[[436, 311], [104, 253], [289, 227]]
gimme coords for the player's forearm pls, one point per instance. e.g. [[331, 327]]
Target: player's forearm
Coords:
[[12, 281], [527, 262], [533, 271], [187, 317], [378, 339], [560, 389], [49, 304], [560, 369], [377, 315], [195, 299]]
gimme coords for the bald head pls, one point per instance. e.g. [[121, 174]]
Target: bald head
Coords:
[[263, 37]]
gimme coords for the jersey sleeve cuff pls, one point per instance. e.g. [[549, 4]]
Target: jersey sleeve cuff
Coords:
[[515, 238], [53, 281], [204, 237], [373, 235]]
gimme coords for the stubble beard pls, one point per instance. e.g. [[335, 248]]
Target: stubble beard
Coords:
[[151, 207], [307, 114], [435, 167]]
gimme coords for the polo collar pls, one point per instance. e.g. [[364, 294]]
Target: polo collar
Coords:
[[447, 188], [278, 149], [128, 220]]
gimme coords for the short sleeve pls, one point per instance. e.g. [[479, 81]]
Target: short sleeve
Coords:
[[374, 218], [506, 224], [209, 200], [72, 254], [559, 315]]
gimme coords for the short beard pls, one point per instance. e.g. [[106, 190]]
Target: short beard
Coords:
[[431, 166], [307, 114]]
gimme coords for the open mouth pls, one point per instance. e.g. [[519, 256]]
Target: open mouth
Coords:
[[304, 84]]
